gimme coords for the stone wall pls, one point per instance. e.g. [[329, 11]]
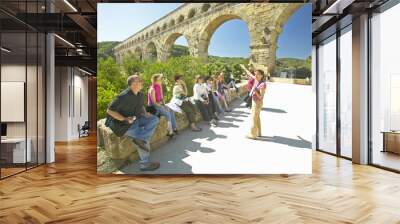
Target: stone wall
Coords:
[[198, 22], [113, 152]]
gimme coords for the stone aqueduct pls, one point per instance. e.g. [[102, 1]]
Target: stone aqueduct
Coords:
[[197, 23]]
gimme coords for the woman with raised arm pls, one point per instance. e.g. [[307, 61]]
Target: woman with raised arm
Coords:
[[257, 95]]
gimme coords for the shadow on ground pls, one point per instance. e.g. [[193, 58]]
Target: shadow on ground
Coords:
[[273, 110], [298, 143], [180, 148]]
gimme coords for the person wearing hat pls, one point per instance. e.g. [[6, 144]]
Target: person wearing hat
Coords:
[[126, 116]]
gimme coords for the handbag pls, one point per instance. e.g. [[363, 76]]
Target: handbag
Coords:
[[152, 109]]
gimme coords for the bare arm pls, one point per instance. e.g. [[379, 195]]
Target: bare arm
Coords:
[[260, 94], [248, 73], [115, 115], [184, 89]]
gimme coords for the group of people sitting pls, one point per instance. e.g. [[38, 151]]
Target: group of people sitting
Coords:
[[128, 116]]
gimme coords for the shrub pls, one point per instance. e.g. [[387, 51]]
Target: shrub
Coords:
[[112, 76]]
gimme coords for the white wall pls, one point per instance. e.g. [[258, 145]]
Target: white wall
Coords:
[[70, 83]]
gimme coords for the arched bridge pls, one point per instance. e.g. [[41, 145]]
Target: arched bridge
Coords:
[[197, 23]]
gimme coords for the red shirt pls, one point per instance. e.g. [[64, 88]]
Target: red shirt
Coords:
[[250, 84], [158, 92], [259, 87]]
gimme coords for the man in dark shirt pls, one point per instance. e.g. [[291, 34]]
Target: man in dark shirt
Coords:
[[127, 116]]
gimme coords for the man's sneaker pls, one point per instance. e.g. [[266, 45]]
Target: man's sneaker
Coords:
[[171, 135], [149, 166], [141, 144]]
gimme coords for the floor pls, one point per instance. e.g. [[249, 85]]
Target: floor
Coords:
[[387, 159], [70, 191], [287, 124]]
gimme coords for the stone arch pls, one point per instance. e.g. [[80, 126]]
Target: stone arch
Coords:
[[208, 31], [158, 29], [192, 13], [172, 22], [164, 27], [264, 45], [151, 51], [181, 18], [205, 7], [169, 43], [151, 32], [139, 53]]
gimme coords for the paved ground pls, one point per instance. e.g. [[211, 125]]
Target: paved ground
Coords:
[[287, 124]]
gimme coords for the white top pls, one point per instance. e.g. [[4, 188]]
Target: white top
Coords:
[[198, 90]]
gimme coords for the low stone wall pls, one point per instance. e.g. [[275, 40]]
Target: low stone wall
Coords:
[[113, 152]]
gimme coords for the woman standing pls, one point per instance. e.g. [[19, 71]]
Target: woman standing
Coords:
[[200, 96], [180, 94], [155, 98], [257, 94]]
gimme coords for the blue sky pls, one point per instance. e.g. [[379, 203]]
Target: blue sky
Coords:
[[118, 21]]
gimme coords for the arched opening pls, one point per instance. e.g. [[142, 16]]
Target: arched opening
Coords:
[[220, 21], [138, 53], [172, 23], [191, 13], [181, 18], [205, 7], [293, 58], [151, 52], [164, 26], [227, 44], [158, 29], [176, 45]]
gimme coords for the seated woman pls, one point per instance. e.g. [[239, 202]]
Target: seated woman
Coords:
[[216, 95], [213, 98], [221, 91], [180, 93], [231, 83], [155, 98], [200, 96]]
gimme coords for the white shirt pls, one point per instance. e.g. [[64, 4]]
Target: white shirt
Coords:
[[198, 91]]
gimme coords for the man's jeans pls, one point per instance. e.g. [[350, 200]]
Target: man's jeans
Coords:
[[142, 129]]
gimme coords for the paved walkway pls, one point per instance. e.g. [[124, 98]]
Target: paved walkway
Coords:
[[287, 125]]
